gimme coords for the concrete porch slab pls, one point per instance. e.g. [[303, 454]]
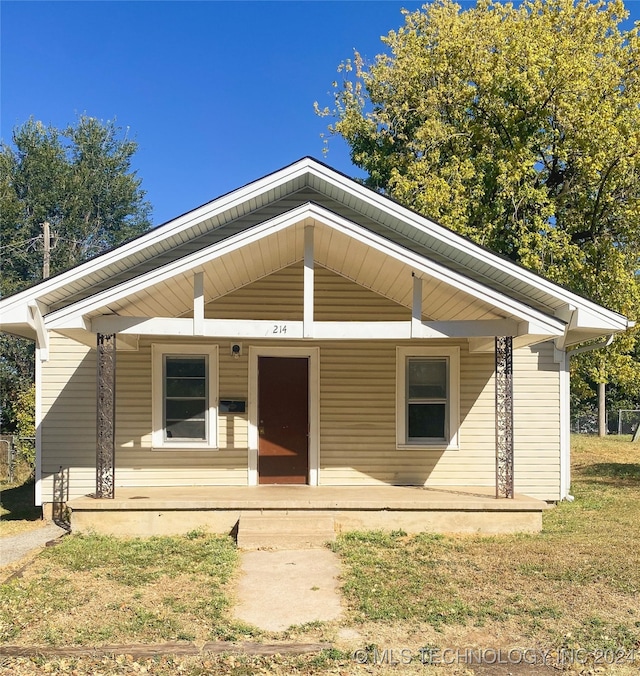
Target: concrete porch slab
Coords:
[[308, 497], [179, 509]]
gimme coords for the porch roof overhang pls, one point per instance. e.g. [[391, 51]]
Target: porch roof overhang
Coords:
[[161, 302], [494, 288]]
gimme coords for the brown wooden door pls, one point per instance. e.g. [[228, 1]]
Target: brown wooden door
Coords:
[[283, 420]]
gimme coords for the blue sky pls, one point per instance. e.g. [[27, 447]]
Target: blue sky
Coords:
[[216, 94]]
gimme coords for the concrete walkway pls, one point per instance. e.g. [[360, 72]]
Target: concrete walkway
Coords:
[[278, 589], [15, 547]]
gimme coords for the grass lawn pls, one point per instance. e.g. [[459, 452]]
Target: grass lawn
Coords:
[[574, 587]]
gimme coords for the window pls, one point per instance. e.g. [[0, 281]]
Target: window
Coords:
[[185, 396], [427, 397], [426, 392]]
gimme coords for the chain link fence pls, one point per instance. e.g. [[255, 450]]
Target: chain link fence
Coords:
[[628, 420], [585, 423], [621, 421], [7, 459], [17, 457]]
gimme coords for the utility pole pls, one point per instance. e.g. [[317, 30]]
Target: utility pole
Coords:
[[47, 250]]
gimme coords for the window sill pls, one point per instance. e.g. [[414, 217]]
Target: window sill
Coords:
[[184, 447], [424, 446]]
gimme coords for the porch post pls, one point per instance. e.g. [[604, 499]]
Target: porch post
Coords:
[[504, 417], [308, 284], [105, 415]]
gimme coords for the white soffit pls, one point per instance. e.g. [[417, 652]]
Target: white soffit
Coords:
[[336, 251], [224, 274], [296, 218], [455, 247]]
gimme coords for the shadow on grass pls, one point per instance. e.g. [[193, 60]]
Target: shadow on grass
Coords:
[[18, 502], [626, 474]]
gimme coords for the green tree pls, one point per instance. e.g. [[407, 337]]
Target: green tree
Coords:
[[79, 180], [16, 377], [519, 127]]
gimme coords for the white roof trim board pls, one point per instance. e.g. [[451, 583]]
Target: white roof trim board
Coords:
[[562, 307]]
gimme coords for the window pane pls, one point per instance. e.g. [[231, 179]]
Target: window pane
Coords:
[[427, 421], [185, 397], [192, 429], [185, 409], [186, 387], [427, 378], [186, 367]]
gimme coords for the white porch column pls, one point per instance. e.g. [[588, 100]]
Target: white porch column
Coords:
[[36, 319], [308, 280], [38, 425], [416, 307], [562, 357], [198, 304]]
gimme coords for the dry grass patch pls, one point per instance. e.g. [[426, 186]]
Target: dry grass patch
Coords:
[[9, 528], [94, 590], [576, 584]]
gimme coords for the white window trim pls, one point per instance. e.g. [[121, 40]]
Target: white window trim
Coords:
[[158, 352], [453, 355]]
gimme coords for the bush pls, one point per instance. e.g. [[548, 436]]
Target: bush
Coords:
[[26, 426]]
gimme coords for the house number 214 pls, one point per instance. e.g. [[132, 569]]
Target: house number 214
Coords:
[[279, 328]]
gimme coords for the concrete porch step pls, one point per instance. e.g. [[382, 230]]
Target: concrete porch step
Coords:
[[282, 530]]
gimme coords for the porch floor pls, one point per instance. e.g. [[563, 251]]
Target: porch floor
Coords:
[[376, 498], [179, 509]]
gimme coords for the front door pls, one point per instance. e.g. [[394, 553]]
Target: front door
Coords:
[[283, 420]]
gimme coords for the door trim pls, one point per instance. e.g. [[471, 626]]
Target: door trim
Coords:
[[313, 354]]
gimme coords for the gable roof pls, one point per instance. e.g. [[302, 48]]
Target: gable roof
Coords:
[[306, 189]]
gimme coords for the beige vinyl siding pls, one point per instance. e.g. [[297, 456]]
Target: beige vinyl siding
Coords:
[[279, 296], [537, 422], [360, 447], [69, 431], [68, 426], [357, 405], [139, 464], [357, 422], [357, 415]]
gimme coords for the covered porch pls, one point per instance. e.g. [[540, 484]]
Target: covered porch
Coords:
[[430, 362], [308, 515]]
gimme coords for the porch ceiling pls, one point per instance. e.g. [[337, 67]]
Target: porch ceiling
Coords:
[[230, 271], [337, 251]]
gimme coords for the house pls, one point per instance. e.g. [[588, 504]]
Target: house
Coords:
[[303, 344]]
